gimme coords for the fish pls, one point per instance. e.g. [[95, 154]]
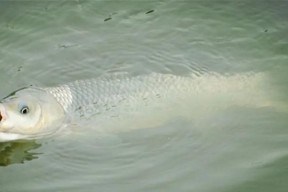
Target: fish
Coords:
[[122, 101]]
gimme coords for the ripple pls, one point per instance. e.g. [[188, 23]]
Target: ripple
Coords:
[[46, 43]]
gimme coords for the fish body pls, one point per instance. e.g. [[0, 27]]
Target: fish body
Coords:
[[123, 101]]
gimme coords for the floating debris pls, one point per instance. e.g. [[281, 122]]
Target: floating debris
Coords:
[[151, 11], [107, 19], [64, 46]]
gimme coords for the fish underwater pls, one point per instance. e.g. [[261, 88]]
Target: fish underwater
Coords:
[[115, 101]]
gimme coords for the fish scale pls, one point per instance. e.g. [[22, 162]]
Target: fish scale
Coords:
[[102, 94]]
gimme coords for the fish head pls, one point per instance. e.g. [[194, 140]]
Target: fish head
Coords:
[[19, 113], [27, 113]]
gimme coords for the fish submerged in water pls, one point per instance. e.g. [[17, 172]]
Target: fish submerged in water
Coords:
[[144, 100]]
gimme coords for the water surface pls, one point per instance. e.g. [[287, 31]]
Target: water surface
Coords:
[[45, 43]]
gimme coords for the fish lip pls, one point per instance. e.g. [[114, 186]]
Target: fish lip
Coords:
[[5, 137]]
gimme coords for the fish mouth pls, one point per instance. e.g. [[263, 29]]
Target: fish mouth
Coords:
[[3, 115]]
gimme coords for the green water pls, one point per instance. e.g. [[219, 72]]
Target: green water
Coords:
[[45, 43]]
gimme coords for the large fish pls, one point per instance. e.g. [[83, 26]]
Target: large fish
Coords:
[[125, 101]]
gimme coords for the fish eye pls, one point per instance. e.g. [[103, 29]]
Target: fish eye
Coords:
[[24, 110]]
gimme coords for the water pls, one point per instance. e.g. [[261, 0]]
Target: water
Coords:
[[238, 149]]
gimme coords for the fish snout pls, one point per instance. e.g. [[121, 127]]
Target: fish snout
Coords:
[[3, 114]]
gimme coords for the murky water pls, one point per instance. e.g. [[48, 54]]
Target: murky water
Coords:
[[244, 148]]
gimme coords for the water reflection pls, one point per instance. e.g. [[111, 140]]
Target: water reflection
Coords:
[[18, 152]]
